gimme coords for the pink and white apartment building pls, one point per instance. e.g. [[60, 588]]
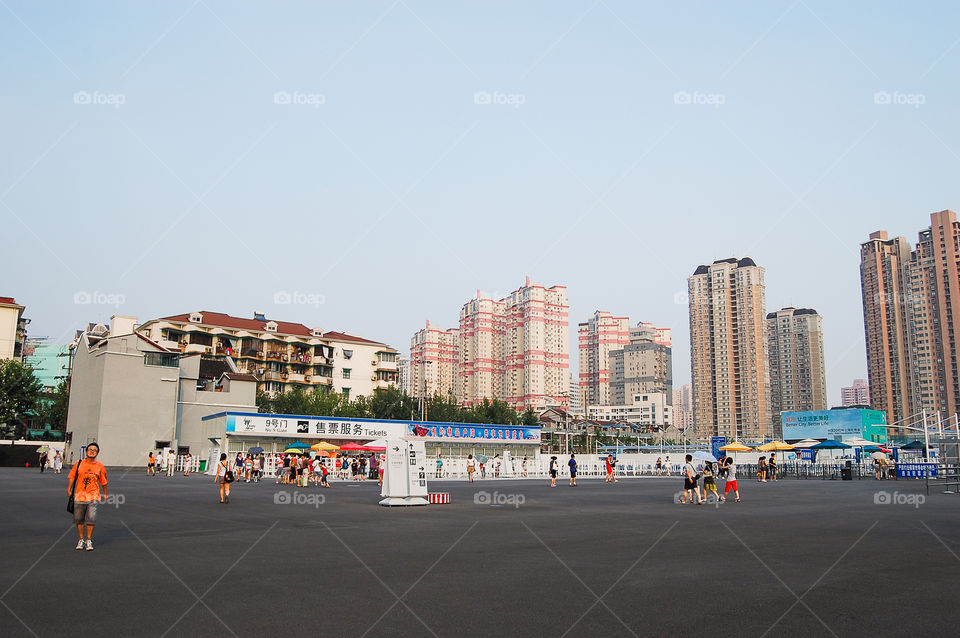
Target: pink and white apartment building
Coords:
[[597, 337], [434, 362], [516, 349]]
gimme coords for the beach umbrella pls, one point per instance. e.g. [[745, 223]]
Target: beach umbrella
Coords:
[[805, 444], [704, 456], [878, 455], [352, 446], [916, 445], [300, 445], [736, 446], [293, 450], [859, 442], [324, 446], [380, 445], [775, 446], [830, 444]]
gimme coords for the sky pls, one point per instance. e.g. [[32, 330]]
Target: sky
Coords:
[[367, 166]]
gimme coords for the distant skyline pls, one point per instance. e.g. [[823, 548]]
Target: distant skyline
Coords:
[[364, 167]]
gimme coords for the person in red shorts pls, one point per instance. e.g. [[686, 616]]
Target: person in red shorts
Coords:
[[730, 472], [610, 463]]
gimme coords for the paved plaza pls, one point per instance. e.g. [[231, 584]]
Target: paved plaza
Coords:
[[804, 558]]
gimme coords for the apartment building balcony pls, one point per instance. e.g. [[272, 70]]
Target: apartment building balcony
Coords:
[[296, 377], [273, 375]]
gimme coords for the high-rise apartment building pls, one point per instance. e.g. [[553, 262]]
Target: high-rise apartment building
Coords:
[[683, 407], [516, 349], [598, 336], [434, 362], [574, 395], [856, 394], [911, 307], [642, 366], [403, 374], [795, 351], [886, 293], [728, 350], [934, 316]]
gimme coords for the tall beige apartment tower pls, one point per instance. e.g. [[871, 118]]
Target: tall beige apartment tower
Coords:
[[885, 284], [728, 351], [517, 348], [597, 337], [795, 350], [934, 316], [434, 362]]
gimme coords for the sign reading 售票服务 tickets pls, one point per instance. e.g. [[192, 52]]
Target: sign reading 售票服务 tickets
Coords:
[[310, 427]]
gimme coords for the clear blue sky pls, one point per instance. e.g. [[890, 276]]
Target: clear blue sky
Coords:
[[399, 196]]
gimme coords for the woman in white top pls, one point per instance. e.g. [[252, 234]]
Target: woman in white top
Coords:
[[223, 467], [471, 467], [186, 464]]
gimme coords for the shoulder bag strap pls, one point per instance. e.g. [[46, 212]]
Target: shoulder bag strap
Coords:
[[76, 477]]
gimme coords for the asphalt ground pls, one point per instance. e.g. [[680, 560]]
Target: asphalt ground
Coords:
[[804, 558]]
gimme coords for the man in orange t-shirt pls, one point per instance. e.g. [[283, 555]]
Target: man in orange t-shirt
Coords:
[[87, 495]]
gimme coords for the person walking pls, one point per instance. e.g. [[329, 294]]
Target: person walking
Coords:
[[439, 466], [659, 466], [666, 464], [43, 461], [483, 470], [762, 470], [730, 474], [84, 483], [57, 462], [690, 479], [553, 471], [323, 475], [497, 461], [187, 460], [224, 477], [471, 467], [171, 462], [523, 467], [151, 464], [709, 482], [772, 468], [610, 465], [573, 470]]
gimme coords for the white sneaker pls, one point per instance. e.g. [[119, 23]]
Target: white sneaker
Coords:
[[89, 545], [80, 544]]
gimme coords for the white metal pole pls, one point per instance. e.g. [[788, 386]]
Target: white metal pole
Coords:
[[939, 424], [926, 436]]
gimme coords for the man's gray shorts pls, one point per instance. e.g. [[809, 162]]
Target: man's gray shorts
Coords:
[[85, 513]]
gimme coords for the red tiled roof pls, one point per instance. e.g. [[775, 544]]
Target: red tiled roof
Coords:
[[222, 320], [339, 336], [8, 300], [233, 376]]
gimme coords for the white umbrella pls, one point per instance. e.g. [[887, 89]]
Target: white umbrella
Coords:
[[878, 455], [805, 444], [377, 443], [859, 442], [704, 456]]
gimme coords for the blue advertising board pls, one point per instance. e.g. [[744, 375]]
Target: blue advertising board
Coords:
[[834, 424], [916, 470], [716, 443], [808, 455]]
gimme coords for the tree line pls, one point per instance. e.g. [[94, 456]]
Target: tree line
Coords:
[[23, 402], [392, 404]]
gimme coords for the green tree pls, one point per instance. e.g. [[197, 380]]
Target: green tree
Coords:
[[19, 391], [441, 408], [530, 417], [53, 411], [391, 403]]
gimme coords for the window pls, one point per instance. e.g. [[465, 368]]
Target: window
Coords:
[[346, 373], [346, 393], [164, 359]]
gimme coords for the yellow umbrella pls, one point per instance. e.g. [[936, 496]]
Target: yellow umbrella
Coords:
[[775, 446], [736, 446], [323, 446]]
